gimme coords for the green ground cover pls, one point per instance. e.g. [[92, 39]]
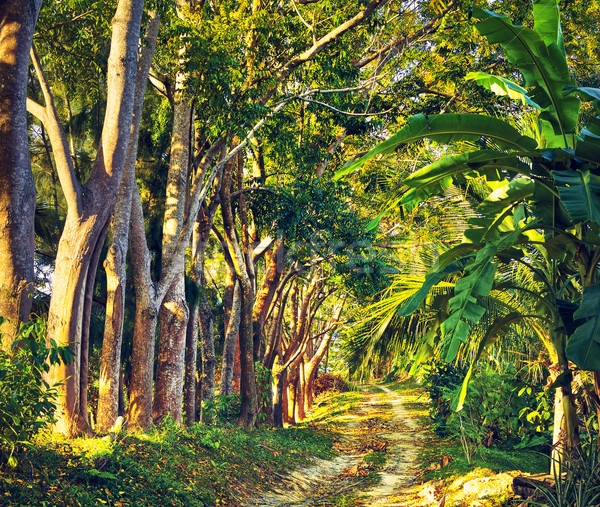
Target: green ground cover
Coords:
[[198, 466]]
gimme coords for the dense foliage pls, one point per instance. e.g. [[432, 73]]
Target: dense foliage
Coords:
[[27, 401]]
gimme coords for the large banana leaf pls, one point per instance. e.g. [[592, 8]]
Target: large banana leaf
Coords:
[[448, 129], [506, 196], [580, 194], [463, 307], [588, 146], [436, 177], [502, 87], [583, 346], [431, 280], [546, 17], [540, 59]]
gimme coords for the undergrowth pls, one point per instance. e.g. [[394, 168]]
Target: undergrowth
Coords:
[[433, 451], [194, 466]]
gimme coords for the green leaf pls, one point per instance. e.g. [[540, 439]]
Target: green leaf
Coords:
[[506, 197], [439, 175], [474, 161], [546, 16], [448, 129], [580, 194], [431, 280], [587, 92], [460, 251], [540, 58], [459, 401], [373, 224], [425, 352], [463, 306], [583, 346], [502, 87]]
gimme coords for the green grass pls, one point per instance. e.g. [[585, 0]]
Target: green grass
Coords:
[[495, 459], [182, 467], [333, 407]]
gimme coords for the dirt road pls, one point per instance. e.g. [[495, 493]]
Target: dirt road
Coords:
[[380, 442]]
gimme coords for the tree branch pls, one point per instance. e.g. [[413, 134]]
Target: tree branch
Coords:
[[58, 140], [334, 34]]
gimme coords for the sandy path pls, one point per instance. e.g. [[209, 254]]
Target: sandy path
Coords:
[[380, 417]]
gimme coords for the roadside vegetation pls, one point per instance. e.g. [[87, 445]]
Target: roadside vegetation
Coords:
[[195, 466]]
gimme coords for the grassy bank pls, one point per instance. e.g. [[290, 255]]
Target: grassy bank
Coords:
[[198, 466], [457, 463]]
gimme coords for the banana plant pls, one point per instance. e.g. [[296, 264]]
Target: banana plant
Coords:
[[546, 197]]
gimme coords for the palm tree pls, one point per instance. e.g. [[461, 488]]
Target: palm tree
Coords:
[[543, 213]]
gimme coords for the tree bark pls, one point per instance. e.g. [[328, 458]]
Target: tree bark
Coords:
[[208, 351], [146, 315], [174, 312], [149, 295], [313, 364], [264, 298], [249, 401], [89, 210], [115, 263], [231, 340], [17, 189]]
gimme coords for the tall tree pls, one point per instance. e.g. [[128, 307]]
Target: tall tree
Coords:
[[90, 208], [17, 190], [115, 263]]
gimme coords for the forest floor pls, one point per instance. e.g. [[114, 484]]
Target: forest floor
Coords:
[[388, 456], [371, 446]]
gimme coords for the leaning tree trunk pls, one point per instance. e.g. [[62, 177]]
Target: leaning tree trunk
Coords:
[[231, 340], [17, 189]]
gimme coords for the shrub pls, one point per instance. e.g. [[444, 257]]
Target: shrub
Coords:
[[224, 409], [26, 399], [499, 408], [577, 479], [441, 382], [329, 382]]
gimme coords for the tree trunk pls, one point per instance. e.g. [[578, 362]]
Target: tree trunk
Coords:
[[300, 394], [278, 398], [174, 312], [231, 341], [89, 212], [115, 263], [191, 367], [243, 271], [85, 338], [208, 350], [110, 363], [313, 365], [144, 332], [17, 189], [204, 314], [173, 317], [292, 382], [264, 298], [148, 298]]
